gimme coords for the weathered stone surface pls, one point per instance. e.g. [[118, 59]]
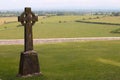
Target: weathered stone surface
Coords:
[[28, 19], [29, 64]]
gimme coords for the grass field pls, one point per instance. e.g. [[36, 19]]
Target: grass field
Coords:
[[107, 19], [49, 27], [7, 19], [67, 61]]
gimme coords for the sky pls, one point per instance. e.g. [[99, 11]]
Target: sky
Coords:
[[59, 4]]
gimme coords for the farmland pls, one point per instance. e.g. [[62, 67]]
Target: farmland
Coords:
[[4, 20], [107, 19], [61, 27]]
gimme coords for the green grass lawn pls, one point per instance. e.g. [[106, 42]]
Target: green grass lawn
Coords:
[[98, 60]]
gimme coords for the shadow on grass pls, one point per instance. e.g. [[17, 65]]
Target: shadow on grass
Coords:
[[116, 31]]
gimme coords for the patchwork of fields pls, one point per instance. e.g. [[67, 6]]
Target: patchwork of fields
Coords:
[[61, 27]]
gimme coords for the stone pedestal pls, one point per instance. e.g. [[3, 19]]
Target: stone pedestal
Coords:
[[29, 64]]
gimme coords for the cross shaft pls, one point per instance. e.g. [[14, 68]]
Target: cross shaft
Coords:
[[28, 19]]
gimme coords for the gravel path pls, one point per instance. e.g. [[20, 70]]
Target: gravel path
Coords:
[[56, 40]]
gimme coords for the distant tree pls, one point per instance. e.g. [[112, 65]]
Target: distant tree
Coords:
[[5, 22], [5, 27], [83, 18], [115, 13], [60, 21], [65, 21], [60, 14], [97, 17], [96, 13], [90, 18], [41, 22]]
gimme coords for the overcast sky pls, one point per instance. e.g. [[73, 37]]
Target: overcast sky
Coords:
[[59, 4]]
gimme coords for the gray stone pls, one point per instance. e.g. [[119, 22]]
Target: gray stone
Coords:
[[29, 63]]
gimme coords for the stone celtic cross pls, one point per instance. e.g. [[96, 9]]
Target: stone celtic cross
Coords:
[[28, 19], [29, 63]]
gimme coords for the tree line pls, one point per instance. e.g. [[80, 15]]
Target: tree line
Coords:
[[57, 13]]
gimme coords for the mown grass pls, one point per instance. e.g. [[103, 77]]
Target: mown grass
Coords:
[[99, 60], [50, 27]]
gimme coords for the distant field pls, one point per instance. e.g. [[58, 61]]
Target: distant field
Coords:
[[56, 19], [4, 20], [107, 19], [60, 27], [67, 61]]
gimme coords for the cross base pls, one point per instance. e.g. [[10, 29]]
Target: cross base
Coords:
[[29, 64]]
